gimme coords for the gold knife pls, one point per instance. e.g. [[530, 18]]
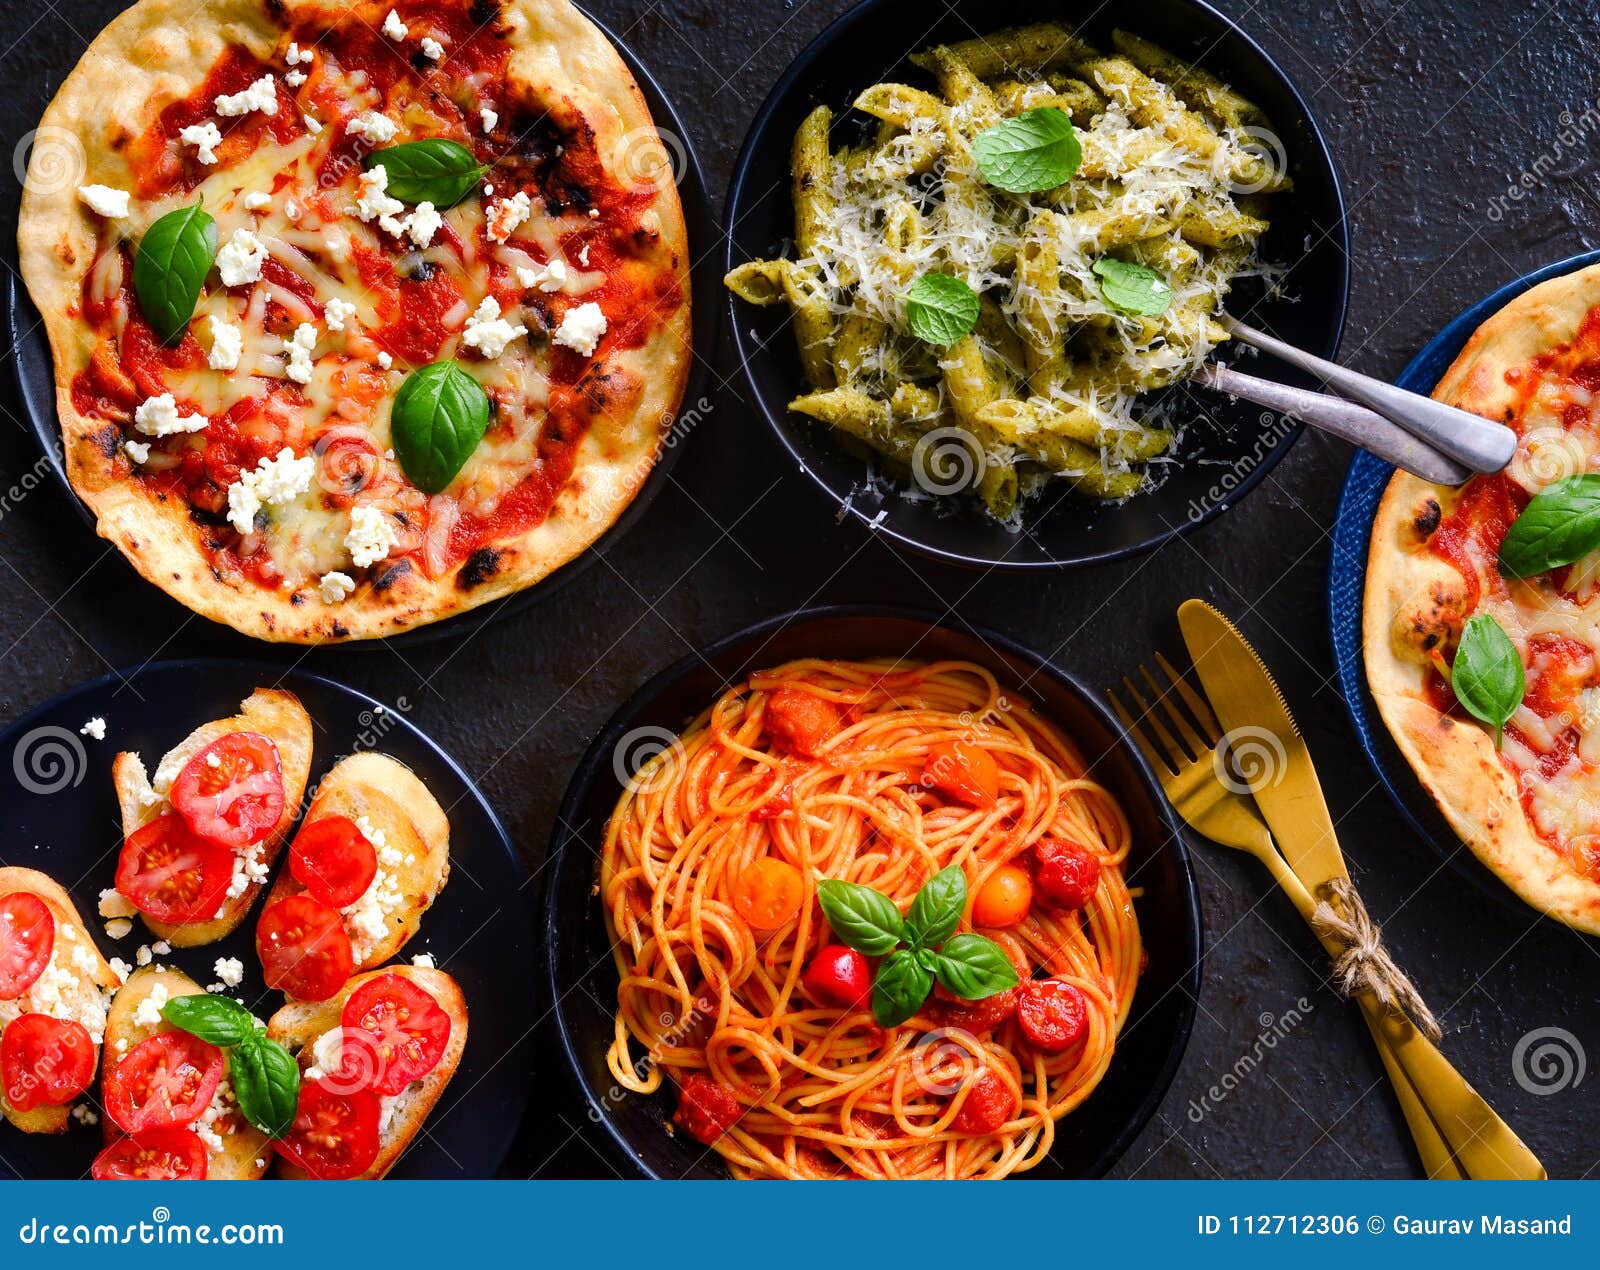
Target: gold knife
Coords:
[[1254, 716]]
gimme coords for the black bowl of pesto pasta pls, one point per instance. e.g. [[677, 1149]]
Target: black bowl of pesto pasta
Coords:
[[926, 499]]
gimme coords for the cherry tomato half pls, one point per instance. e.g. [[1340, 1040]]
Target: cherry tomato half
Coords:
[[990, 1103], [768, 893], [333, 860], [1004, 899], [45, 1062], [27, 934], [394, 1033], [232, 791], [165, 1081], [335, 1136], [304, 949], [169, 874], [966, 772], [838, 976], [161, 1155], [1054, 1015], [1068, 874]]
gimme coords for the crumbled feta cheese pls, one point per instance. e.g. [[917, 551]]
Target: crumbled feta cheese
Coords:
[[371, 536], [549, 278], [104, 200], [294, 78], [85, 1115], [423, 224], [297, 348], [431, 48], [158, 417], [488, 332], [313, 126], [255, 200], [227, 342], [327, 1051], [374, 127], [291, 209], [161, 948], [385, 361], [424, 960], [504, 215], [336, 311], [583, 256], [393, 27], [213, 760], [149, 1012], [119, 928], [230, 970], [143, 956], [240, 260], [137, 451], [262, 95], [581, 328], [373, 202], [297, 56], [489, 117], [113, 903], [272, 482], [368, 918], [335, 586], [248, 868], [205, 138], [95, 727]]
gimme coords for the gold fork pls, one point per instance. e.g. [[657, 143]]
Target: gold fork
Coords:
[[1188, 773]]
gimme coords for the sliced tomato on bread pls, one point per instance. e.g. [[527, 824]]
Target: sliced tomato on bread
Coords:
[[372, 823], [401, 1027], [234, 1149], [53, 989], [202, 833]]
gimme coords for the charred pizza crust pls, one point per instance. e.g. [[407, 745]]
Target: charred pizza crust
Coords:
[[1416, 603], [159, 51]]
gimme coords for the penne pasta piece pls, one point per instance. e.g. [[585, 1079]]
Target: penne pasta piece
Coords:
[[809, 183], [1199, 90], [1022, 48]]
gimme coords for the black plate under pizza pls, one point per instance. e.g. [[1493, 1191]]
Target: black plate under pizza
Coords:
[[61, 815], [1228, 445], [582, 977], [34, 367]]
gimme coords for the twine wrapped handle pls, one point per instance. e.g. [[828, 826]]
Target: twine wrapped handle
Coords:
[[1363, 962]]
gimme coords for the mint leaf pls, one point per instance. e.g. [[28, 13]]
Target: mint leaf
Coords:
[[1133, 288], [941, 308], [1035, 151]]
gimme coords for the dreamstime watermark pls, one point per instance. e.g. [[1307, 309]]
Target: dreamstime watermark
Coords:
[[947, 461], [1274, 1028], [1548, 1060], [1250, 759], [49, 759], [160, 1229], [680, 1028], [49, 160], [639, 751], [641, 155], [1271, 161], [1274, 428], [1568, 146], [26, 484]]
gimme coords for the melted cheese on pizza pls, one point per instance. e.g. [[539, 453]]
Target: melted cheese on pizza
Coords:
[[337, 296]]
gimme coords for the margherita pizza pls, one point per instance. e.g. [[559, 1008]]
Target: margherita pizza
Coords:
[[363, 313], [1510, 565]]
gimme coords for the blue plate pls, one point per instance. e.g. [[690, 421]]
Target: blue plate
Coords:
[[61, 815], [1347, 577]]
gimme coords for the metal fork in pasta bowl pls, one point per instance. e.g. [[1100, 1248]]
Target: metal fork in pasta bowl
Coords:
[[915, 487], [583, 979]]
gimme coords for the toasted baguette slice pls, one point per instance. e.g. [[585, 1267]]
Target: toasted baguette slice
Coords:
[[245, 1153], [298, 1025], [89, 979], [275, 714], [388, 796]]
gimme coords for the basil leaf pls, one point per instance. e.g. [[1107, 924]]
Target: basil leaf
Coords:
[[901, 986], [434, 170], [936, 911], [1133, 288], [1487, 676], [266, 1081], [1037, 150], [861, 918], [440, 415], [216, 1020], [972, 967], [170, 269], [1559, 526], [941, 308]]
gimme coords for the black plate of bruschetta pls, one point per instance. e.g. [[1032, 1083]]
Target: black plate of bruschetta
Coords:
[[253, 924]]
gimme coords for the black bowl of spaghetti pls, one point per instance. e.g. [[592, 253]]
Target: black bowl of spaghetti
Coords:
[[803, 751]]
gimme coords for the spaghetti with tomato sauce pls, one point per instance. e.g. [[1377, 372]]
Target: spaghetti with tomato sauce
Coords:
[[734, 989]]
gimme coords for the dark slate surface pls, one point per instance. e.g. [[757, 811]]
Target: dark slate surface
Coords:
[[1434, 109]]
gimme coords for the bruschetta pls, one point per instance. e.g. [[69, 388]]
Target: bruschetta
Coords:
[[54, 987], [370, 857], [374, 1059], [194, 1129], [201, 835]]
